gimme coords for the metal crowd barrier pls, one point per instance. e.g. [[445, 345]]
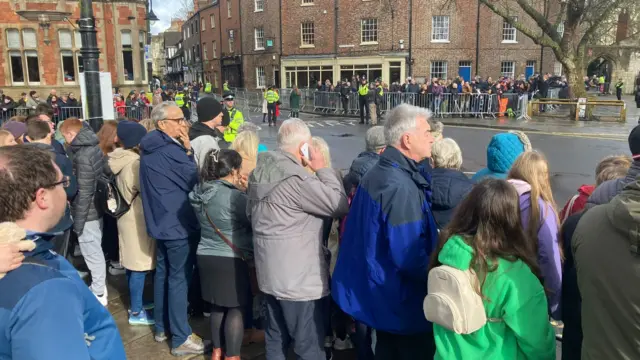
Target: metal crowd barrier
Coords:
[[60, 113], [132, 112]]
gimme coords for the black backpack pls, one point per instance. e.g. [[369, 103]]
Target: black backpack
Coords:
[[108, 197]]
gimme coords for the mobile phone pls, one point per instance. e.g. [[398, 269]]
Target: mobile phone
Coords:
[[304, 149]]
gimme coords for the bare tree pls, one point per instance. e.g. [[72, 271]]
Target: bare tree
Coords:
[[183, 9], [585, 22]]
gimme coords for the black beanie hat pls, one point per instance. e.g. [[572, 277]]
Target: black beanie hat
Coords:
[[634, 141], [208, 108]]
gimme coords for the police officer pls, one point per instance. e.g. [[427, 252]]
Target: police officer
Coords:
[[272, 98], [235, 115], [225, 86], [183, 101], [379, 98], [363, 91], [207, 87], [619, 86]]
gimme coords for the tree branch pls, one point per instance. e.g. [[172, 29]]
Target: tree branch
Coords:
[[607, 12], [540, 39], [540, 19]]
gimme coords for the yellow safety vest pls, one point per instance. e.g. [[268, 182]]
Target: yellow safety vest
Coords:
[[271, 96], [601, 79], [207, 87], [180, 99], [619, 85], [380, 91], [237, 119], [363, 90], [225, 87]]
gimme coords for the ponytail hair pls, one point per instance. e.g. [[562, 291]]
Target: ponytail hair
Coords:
[[219, 163]]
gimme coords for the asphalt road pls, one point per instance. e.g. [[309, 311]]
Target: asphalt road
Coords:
[[572, 158]]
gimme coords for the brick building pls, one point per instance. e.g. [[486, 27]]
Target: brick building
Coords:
[[260, 37], [33, 57], [210, 37], [191, 46], [335, 39]]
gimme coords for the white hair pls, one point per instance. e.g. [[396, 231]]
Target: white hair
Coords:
[[292, 132], [446, 154], [248, 126], [403, 119], [161, 112]]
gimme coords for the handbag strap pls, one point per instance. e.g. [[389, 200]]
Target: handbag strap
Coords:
[[224, 238]]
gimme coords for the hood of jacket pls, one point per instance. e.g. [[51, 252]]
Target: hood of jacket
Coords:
[[43, 146], [272, 168], [155, 140], [586, 190], [200, 129], [625, 212], [85, 137], [203, 192], [502, 152], [456, 253], [120, 158], [523, 188]]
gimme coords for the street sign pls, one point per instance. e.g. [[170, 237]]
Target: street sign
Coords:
[[269, 43], [231, 34]]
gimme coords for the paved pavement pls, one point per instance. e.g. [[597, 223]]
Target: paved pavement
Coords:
[[573, 152]]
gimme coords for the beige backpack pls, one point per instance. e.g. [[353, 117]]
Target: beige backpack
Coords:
[[452, 301]]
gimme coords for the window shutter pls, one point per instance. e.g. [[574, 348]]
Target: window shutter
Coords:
[[65, 39], [29, 39], [78, 39], [13, 39], [125, 37]]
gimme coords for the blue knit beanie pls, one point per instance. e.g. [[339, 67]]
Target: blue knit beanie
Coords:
[[130, 133]]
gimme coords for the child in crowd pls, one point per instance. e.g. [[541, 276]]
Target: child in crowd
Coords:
[[6, 138]]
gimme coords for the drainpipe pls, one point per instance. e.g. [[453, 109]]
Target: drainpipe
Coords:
[[409, 67], [220, 61], [280, 51], [335, 27], [477, 41]]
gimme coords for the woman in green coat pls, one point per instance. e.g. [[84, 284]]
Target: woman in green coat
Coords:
[[486, 235], [294, 102]]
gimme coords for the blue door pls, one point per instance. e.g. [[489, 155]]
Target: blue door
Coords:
[[530, 69], [464, 70]]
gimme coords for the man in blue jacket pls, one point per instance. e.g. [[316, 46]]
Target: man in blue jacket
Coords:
[[380, 278], [168, 172], [46, 310]]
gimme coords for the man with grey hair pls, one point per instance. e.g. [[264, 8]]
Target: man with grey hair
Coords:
[[449, 185], [375, 144], [389, 236], [287, 207], [168, 173]]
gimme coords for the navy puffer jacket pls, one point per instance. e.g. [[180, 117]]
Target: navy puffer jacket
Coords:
[[365, 161], [449, 187]]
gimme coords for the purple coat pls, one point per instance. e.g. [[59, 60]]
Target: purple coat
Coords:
[[548, 248]]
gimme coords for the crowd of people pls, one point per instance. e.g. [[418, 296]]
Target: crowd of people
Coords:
[[403, 256]]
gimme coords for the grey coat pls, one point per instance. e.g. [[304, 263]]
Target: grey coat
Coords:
[[88, 163], [287, 206]]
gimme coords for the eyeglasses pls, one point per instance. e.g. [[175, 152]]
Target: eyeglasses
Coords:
[[178, 120], [65, 182]]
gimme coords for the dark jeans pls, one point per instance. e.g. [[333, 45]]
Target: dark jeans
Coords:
[[136, 288], [271, 109], [299, 321], [110, 243], [364, 108], [362, 341], [404, 347], [619, 93], [175, 261]]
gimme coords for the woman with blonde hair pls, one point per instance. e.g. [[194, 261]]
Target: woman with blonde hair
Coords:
[[246, 144], [530, 176], [148, 124]]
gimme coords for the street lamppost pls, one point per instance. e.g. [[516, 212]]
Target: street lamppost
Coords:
[[151, 19], [90, 54]]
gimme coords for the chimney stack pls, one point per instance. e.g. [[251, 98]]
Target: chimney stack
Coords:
[[622, 32]]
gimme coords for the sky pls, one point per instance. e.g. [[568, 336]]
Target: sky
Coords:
[[164, 10]]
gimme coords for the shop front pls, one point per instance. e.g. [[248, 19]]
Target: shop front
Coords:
[[232, 71], [306, 72]]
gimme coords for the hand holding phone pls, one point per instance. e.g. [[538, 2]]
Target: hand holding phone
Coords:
[[304, 149]]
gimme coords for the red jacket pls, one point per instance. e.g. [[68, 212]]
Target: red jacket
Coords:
[[578, 204], [120, 107]]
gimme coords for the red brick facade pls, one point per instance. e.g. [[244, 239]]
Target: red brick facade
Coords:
[[111, 18], [211, 34]]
